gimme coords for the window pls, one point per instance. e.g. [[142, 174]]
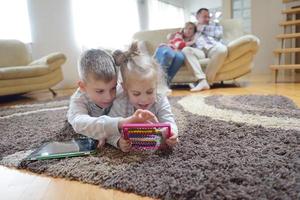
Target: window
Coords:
[[14, 20], [241, 9], [164, 15], [106, 24]]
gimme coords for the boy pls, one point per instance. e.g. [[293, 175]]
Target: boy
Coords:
[[93, 99]]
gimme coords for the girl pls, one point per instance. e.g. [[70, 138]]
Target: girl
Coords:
[[144, 88], [169, 55]]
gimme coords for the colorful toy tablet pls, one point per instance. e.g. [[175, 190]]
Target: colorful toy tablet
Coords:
[[146, 136]]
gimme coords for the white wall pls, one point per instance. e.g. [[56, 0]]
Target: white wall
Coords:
[[266, 15], [52, 31]]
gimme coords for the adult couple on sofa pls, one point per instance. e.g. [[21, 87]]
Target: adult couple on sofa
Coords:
[[214, 59]]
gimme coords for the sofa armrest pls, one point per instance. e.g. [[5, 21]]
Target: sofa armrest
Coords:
[[241, 46], [50, 59], [251, 40]]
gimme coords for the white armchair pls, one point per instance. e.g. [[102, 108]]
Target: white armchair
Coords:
[[19, 74]]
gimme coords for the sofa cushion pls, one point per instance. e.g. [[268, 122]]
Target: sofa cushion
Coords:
[[142, 46], [184, 76], [232, 29], [154, 38]]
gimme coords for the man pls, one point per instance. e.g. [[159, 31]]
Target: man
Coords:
[[208, 44]]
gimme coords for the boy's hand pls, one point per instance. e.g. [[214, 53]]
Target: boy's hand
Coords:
[[100, 144], [125, 145]]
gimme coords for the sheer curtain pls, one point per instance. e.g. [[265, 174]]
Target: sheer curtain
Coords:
[[14, 20], [163, 15], [104, 23]]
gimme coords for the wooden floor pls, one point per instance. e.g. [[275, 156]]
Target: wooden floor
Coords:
[[16, 184]]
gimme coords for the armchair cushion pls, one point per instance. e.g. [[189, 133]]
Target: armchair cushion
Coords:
[[13, 53], [21, 85], [49, 59], [22, 71]]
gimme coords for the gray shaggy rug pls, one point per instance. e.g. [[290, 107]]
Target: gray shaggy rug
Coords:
[[231, 147]]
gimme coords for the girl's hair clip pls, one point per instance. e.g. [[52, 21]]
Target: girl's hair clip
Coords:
[[121, 57]]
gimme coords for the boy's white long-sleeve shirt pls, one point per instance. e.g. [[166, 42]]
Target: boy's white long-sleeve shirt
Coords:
[[90, 120], [123, 108]]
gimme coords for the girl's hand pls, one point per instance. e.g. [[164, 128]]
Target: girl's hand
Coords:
[[124, 145], [143, 116], [173, 140], [139, 116]]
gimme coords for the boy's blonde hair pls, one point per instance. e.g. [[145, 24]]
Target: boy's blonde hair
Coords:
[[97, 63], [132, 62]]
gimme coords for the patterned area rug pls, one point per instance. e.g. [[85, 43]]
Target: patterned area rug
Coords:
[[231, 147]]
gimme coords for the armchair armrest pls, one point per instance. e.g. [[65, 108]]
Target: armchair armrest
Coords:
[[50, 59]]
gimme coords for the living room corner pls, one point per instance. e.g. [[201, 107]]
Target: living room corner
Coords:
[[149, 99]]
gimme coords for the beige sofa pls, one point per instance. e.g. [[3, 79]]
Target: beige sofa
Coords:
[[241, 50], [19, 74]]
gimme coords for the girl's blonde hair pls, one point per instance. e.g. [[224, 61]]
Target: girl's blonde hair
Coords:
[[132, 63]]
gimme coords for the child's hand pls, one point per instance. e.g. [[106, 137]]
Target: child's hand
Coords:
[[140, 116], [125, 145], [173, 140], [101, 144]]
